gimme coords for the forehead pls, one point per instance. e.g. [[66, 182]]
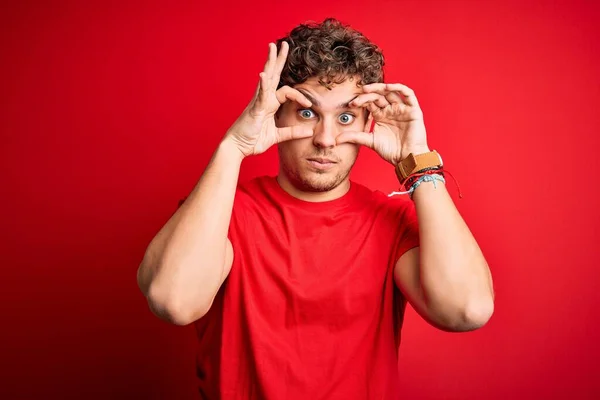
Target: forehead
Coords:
[[337, 94]]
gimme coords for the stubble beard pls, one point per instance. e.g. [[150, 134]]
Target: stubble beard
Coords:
[[315, 181]]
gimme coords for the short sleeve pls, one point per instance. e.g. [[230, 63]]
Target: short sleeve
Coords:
[[408, 229]]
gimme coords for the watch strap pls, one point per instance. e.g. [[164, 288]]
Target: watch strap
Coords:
[[414, 163]]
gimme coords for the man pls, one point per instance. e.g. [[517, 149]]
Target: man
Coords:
[[297, 283]]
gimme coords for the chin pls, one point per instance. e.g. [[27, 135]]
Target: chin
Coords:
[[315, 181]]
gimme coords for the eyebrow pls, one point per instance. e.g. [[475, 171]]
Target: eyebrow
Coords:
[[315, 102]]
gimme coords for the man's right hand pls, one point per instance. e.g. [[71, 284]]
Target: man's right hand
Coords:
[[255, 130]]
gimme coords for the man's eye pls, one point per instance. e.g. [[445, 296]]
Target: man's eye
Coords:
[[346, 119], [306, 114]]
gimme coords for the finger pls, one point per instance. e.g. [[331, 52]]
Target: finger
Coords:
[[409, 95], [261, 90], [381, 89], [372, 107], [293, 132], [398, 87], [270, 64], [281, 58], [381, 102], [374, 87], [362, 138], [370, 124], [286, 93], [376, 98]]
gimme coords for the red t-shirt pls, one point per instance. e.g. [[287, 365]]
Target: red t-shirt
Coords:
[[310, 309]]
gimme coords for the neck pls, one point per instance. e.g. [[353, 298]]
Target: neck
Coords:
[[313, 197]]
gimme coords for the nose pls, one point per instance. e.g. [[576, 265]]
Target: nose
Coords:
[[324, 134]]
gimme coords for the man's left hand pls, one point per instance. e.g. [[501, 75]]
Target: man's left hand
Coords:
[[399, 128]]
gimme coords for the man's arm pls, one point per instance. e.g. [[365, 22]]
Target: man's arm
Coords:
[[190, 257], [446, 279]]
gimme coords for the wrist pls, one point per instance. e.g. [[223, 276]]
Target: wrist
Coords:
[[416, 161], [231, 150], [428, 184], [415, 151]]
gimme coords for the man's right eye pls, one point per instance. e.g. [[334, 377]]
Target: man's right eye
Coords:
[[306, 113]]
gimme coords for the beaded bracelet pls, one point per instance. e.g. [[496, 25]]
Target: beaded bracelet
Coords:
[[424, 178], [409, 181]]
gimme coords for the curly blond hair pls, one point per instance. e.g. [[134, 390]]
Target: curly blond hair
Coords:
[[332, 52]]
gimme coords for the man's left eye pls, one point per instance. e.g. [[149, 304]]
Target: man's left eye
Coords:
[[346, 119]]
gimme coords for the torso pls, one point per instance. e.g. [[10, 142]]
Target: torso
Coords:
[[309, 309]]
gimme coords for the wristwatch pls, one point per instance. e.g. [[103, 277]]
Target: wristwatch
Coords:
[[414, 163]]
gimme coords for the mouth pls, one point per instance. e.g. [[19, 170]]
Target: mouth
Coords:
[[322, 160], [321, 164]]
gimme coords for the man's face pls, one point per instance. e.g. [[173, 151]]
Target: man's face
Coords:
[[317, 164]]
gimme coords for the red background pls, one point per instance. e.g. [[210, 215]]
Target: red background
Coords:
[[111, 111]]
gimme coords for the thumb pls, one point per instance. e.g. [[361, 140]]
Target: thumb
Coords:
[[293, 132], [362, 138]]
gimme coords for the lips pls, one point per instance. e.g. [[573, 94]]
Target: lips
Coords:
[[321, 164], [322, 160]]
